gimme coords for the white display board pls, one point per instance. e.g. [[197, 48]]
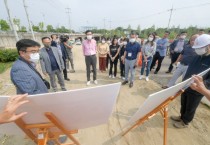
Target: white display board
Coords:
[[154, 100], [76, 109]]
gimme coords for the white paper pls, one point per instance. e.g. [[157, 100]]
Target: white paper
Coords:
[[157, 98], [76, 109]]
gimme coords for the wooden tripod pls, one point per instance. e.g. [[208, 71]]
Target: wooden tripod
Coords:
[[163, 109], [44, 133]]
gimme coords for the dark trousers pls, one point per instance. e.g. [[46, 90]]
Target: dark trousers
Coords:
[[174, 57], [91, 61], [65, 70], [115, 66], [189, 104], [102, 63], [122, 69], [155, 58], [107, 61]]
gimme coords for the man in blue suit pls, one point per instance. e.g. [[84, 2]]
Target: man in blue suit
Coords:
[[23, 73]]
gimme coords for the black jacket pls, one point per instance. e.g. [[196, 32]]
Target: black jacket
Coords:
[[198, 65]]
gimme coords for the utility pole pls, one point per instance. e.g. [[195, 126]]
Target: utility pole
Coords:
[[11, 21], [68, 11], [169, 21], [29, 22], [44, 21]]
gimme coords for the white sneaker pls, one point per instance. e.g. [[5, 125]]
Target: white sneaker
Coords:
[[140, 77], [123, 78], [88, 83], [95, 82], [110, 76], [113, 77], [147, 79]]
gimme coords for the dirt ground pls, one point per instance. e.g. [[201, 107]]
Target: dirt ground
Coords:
[[129, 100]]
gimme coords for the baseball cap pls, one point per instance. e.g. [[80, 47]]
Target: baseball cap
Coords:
[[201, 41]]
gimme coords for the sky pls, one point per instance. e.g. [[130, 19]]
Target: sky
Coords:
[[111, 13]]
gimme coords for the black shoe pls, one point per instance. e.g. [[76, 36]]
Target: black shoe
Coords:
[[168, 72], [67, 79], [125, 82], [155, 72], [131, 85]]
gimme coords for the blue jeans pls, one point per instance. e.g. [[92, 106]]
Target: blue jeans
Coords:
[[149, 62]]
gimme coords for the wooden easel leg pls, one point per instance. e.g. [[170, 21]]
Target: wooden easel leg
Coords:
[[135, 125], [21, 124], [59, 125], [42, 136], [165, 125]]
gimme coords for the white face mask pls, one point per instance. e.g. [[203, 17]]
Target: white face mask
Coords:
[[201, 51], [183, 37], [89, 37], [132, 40], [34, 57], [150, 39], [103, 41], [108, 42], [57, 40], [125, 43]]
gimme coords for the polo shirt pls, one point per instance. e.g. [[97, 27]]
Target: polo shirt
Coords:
[[132, 50]]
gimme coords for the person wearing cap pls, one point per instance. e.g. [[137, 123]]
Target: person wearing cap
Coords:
[[130, 58], [176, 48], [184, 59], [190, 99], [161, 49]]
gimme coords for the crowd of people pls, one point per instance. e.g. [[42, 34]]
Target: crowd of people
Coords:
[[190, 57]]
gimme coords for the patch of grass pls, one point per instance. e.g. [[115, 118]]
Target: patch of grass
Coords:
[[5, 66]]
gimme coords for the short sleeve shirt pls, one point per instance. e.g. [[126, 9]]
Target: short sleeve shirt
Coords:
[[132, 50]]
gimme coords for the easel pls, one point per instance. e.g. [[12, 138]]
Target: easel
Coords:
[[163, 109], [44, 133]]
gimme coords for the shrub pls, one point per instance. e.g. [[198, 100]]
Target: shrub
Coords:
[[8, 55]]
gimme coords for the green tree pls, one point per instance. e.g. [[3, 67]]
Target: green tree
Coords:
[[119, 28], [23, 29], [41, 26], [4, 26], [35, 28], [50, 28], [17, 22], [129, 28], [62, 29], [138, 29]]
